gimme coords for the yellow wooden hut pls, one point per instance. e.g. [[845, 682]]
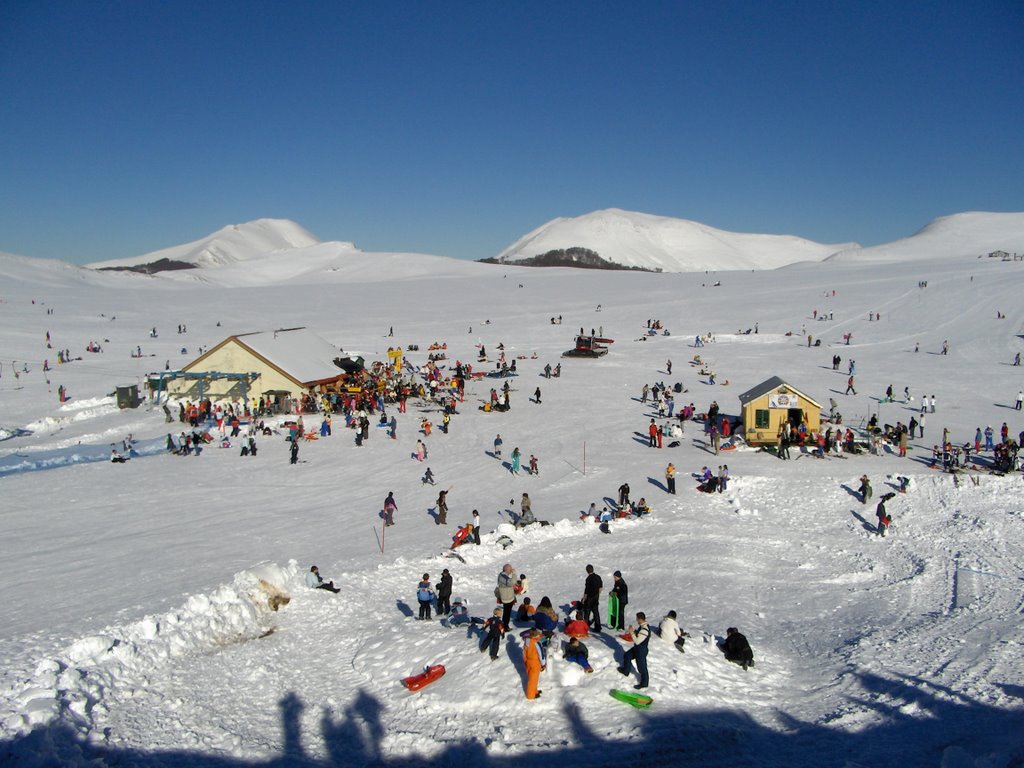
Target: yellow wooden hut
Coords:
[[770, 404]]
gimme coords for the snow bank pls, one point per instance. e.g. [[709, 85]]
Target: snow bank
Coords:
[[74, 684]]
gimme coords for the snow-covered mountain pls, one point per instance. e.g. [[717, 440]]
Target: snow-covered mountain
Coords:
[[974, 233], [661, 242], [233, 243]]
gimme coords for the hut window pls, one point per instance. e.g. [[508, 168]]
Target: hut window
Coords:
[[761, 420]]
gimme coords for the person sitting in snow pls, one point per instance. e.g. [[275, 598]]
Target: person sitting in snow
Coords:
[[576, 652], [526, 610], [736, 648], [670, 630], [577, 627], [315, 581]]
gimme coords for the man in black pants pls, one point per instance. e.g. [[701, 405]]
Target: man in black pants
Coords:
[[621, 591], [444, 594], [591, 595], [641, 635]]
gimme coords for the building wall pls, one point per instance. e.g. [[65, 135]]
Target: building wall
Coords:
[[233, 358], [776, 416]]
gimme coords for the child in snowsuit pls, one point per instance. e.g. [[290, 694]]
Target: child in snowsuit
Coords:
[[494, 630], [533, 658]]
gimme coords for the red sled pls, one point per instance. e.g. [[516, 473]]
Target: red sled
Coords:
[[425, 678], [627, 637]]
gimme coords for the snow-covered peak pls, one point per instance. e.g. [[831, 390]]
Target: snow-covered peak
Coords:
[[231, 244], [660, 242]]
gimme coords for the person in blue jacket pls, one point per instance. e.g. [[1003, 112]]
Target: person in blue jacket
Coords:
[[425, 596]]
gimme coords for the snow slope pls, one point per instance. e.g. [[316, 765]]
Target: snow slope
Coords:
[[962, 234], [138, 622], [661, 242]]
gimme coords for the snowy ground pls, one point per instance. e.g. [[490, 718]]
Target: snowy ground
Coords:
[[137, 631]]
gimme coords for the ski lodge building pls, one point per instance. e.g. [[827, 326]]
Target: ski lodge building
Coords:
[[286, 363], [771, 403]]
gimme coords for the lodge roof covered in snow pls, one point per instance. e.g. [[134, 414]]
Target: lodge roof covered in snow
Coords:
[[297, 353]]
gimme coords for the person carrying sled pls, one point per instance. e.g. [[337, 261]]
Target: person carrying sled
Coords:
[[736, 648]]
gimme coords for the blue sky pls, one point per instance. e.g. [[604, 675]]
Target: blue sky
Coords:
[[454, 128]]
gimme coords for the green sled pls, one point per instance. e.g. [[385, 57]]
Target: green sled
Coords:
[[638, 700], [613, 611]]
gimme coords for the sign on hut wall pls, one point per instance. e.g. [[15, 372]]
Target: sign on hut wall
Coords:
[[783, 400]]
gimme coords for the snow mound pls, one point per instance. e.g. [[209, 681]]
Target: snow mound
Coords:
[[75, 684], [671, 245]]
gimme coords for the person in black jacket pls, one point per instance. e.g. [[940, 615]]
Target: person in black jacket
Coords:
[[591, 595], [621, 590], [444, 594], [736, 648]]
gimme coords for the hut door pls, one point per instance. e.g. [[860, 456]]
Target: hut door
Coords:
[[795, 416]]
